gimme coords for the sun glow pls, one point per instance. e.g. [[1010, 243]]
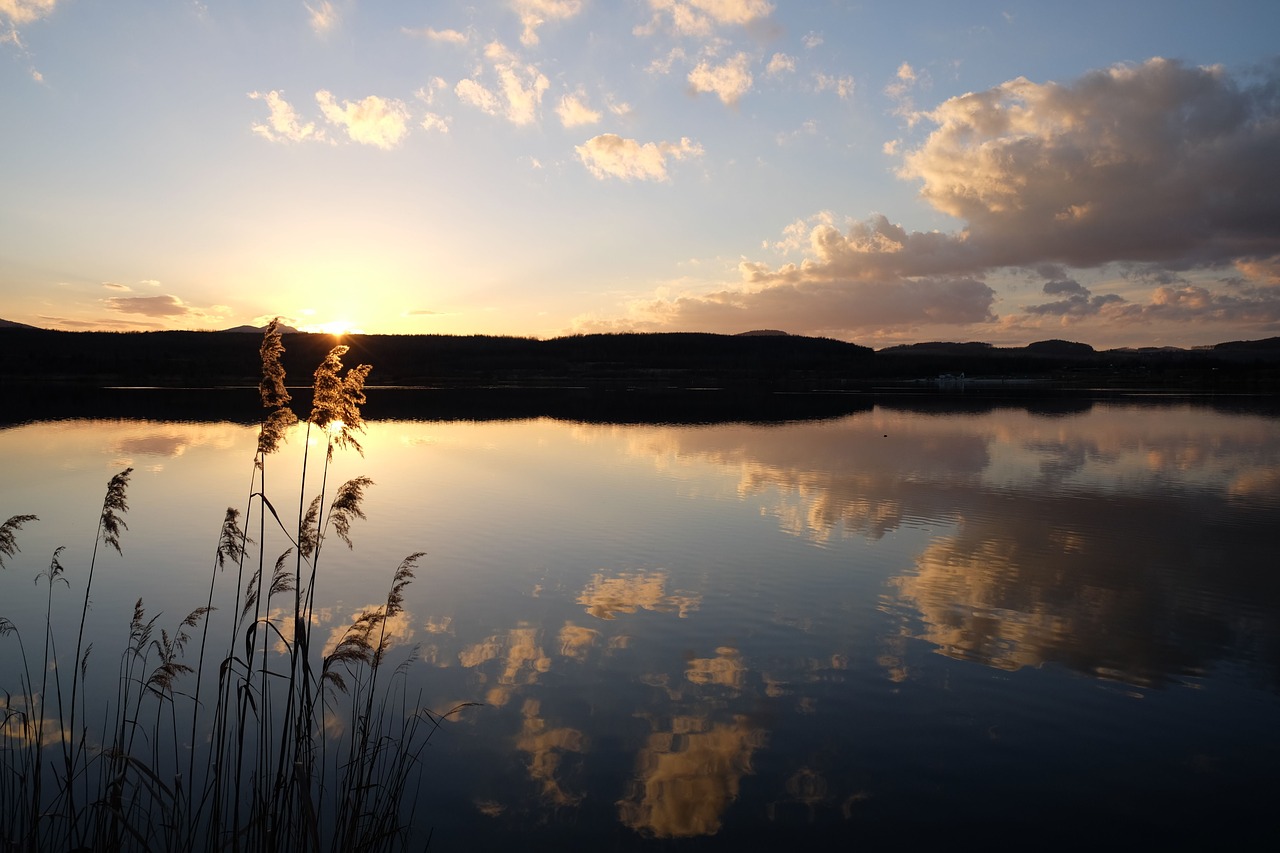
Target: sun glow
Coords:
[[337, 328]]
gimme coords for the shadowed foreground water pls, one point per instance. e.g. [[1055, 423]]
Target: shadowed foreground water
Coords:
[[986, 625]]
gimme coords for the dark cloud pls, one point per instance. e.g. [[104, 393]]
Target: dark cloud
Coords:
[[1076, 305], [1156, 162], [150, 306], [832, 308], [1066, 285]]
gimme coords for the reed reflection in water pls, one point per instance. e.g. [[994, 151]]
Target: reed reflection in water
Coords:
[[874, 626]]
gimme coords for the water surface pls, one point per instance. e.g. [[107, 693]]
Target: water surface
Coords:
[[903, 623]]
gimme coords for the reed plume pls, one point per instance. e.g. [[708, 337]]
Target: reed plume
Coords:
[[337, 400], [273, 392], [8, 544]]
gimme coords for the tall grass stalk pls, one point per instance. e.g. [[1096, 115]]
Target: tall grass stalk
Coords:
[[255, 739]]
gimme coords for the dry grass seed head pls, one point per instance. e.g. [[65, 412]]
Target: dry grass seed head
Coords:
[[55, 570], [232, 539], [336, 399], [272, 387], [8, 544], [403, 577], [309, 530], [346, 506], [275, 426], [112, 507], [281, 579]]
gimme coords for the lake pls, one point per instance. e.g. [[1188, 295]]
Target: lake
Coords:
[[878, 620]]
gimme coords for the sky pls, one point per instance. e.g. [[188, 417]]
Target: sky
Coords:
[[882, 173]]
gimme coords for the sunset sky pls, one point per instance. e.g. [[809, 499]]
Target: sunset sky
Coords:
[[1106, 172]]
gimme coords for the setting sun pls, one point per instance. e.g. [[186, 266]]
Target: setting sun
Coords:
[[337, 328]]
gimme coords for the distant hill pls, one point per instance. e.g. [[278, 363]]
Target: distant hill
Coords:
[[257, 330], [9, 324], [760, 333], [623, 362], [1060, 348]]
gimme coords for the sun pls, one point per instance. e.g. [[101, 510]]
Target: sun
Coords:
[[337, 328]]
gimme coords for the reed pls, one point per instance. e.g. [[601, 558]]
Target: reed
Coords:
[[231, 730]]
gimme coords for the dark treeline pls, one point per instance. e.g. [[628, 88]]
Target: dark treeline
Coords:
[[603, 404], [668, 360]]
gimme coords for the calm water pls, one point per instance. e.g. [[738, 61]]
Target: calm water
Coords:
[[897, 625]]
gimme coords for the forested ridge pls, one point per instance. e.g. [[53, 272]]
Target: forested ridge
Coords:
[[659, 360]]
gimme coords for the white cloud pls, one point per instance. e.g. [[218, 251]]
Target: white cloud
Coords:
[[699, 18], [811, 40], [899, 91], [618, 108], [729, 82], [283, 124], [520, 87], [574, 112], [611, 156], [427, 94], [534, 13], [842, 86], [25, 11], [663, 64], [780, 64], [436, 123], [323, 17], [439, 36], [376, 121], [475, 94]]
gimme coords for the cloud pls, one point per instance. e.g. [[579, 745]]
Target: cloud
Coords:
[[729, 82], [1077, 301], [1160, 172], [473, 93], [873, 277], [534, 13], [436, 123], [440, 36], [842, 86], [780, 64], [427, 94], [611, 156], [376, 121], [618, 108], [699, 18], [149, 306], [520, 87], [836, 308], [111, 285], [663, 64], [574, 112], [905, 81], [25, 11], [283, 124], [323, 17], [1158, 162]]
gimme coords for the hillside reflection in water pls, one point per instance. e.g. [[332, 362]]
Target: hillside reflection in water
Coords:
[[873, 626]]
